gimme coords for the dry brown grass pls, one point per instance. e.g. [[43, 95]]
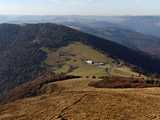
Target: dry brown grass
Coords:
[[78, 101]]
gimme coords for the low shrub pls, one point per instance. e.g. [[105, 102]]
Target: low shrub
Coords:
[[124, 82]]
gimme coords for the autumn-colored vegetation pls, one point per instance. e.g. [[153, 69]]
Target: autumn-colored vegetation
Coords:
[[125, 82]]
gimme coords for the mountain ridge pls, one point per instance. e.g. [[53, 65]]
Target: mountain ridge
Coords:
[[135, 32], [22, 58]]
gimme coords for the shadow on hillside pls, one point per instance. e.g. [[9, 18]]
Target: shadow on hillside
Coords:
[[43, 84]]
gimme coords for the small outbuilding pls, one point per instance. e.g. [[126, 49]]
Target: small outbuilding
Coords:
[[89, 62]]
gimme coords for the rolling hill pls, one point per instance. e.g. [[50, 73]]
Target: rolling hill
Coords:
[[47, 71], [23, 50], [71, 59]]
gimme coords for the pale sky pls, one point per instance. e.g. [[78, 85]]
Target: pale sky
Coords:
[[80, 7]]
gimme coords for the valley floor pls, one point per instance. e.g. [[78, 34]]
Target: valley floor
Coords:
[[75, 100]]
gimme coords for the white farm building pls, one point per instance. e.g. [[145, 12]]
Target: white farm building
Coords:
[[89, 62]]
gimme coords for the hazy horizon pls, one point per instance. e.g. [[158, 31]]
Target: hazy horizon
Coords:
[[80, 7], [88, 15]]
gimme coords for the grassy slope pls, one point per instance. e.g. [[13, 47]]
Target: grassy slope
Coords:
[[90, 104], [75, 55]]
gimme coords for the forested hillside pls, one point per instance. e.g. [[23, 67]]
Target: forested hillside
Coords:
[[22, 57]]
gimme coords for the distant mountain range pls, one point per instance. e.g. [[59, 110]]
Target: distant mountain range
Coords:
[[128, 38], [136, 32], [144, 24]]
